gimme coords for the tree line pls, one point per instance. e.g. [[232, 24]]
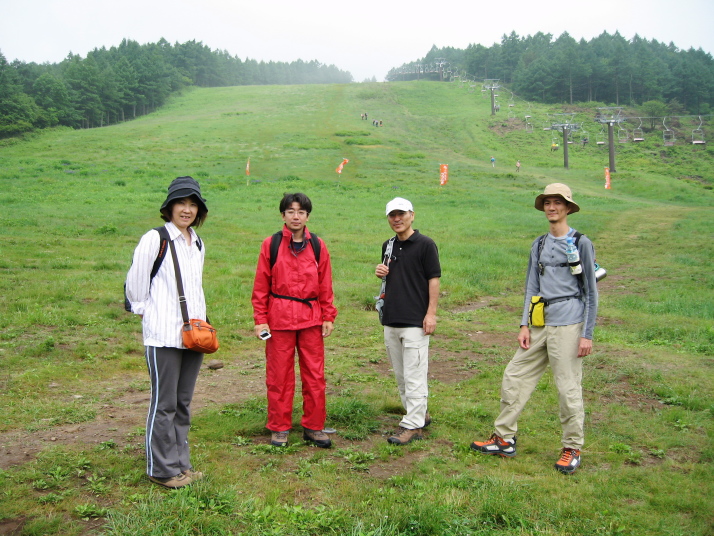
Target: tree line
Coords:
[[120, 83], [608, 68]]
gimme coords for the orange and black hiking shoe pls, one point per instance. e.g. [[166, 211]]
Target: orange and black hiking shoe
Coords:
[[496, 445], [569, 461]]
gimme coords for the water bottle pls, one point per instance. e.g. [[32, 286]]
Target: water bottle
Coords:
[[600, 272], [573, 256]]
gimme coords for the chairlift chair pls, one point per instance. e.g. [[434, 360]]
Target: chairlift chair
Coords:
[[698, 134], [667, 135], [529, 126], [600, 136], [637, 133], [622, 135]]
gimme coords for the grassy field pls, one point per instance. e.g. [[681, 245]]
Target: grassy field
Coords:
[[73, 384]]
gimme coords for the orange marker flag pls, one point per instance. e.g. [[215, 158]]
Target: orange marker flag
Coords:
[[339, 168], [247, 167], [443, 174], [607, 178]]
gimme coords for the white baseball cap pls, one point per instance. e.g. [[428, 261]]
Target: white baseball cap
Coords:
[[399, 203]]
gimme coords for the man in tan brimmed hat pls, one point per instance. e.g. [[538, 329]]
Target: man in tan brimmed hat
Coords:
[[561, 337]]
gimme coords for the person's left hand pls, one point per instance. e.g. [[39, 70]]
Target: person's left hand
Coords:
[[585, 348], [327, 328], [429, 324]]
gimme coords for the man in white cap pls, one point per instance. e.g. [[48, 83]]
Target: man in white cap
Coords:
[[410, 269], [562, 339]]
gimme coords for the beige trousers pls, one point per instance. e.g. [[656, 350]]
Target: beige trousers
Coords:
[[408, 351], [557, 346]]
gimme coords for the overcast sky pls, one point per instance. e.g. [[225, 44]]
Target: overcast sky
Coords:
[[365, 37]]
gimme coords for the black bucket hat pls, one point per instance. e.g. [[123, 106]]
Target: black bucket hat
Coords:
[[182, 187]]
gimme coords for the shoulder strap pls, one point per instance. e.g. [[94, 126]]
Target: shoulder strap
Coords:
[[387, 256], [179, 284], [164, 240], [541, 243], [277, 238], [274, 247], [315, 246]]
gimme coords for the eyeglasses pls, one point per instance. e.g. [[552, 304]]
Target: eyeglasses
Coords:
[[291, 212]]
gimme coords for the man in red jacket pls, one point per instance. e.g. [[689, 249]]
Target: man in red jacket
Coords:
[[293, 309]]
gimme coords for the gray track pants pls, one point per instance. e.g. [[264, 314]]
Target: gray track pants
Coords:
[[173, 373]]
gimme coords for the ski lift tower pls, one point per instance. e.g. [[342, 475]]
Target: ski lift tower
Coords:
[[440, 62], [566, 124], [610, 116], [492, 85]]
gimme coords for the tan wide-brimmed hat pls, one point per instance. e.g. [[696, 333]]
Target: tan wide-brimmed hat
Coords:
[[560, 190]]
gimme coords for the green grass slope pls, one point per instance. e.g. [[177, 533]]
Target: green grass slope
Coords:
[[74, 204]]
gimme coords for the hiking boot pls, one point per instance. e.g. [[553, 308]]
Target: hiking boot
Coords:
[[569, 461], [193, 475], [405, 435], [175, 482], [318, 437], [427, 419], [279, 439], [496, 445]]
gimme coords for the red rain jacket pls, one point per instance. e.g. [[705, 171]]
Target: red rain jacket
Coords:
[[296, 276]]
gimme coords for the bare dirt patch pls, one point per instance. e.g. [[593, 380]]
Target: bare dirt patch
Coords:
[[122, 411]]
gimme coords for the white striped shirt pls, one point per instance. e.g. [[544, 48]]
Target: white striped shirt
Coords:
[[159, 304]]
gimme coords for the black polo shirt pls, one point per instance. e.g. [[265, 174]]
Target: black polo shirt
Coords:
[[406, 298]]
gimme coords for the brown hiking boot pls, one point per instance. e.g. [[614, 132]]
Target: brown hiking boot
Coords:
[[405, 435], [320, 438], [427, 419], [279, 439], [193, 475], [175, 482]]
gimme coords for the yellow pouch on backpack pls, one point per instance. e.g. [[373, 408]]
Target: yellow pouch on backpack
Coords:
[[536, 314]]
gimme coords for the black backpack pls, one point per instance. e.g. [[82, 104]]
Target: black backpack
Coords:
[[163, 246], [275, 246]]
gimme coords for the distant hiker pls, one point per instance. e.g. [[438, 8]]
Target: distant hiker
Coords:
[[518, 166], [365, 116], [561, 336], [293, 310], [493, 162], [361, 116], [380, 123], [173, 369], [410, 272]]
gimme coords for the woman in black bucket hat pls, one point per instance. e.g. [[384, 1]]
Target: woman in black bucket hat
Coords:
[[152, 294]]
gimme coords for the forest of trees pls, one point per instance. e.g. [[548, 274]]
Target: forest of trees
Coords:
[[109, 86], [608, 69], [123, 82]]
